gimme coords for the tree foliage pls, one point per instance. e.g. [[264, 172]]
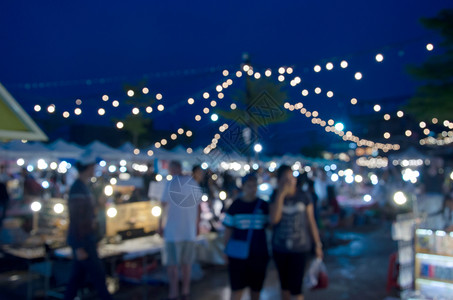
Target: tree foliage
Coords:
[[259, 104], [435, 97]]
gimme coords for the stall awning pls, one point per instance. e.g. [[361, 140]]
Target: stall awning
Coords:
[[15, 123]]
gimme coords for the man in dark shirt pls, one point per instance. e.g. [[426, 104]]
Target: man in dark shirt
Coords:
[[82, 234], [4, 199]]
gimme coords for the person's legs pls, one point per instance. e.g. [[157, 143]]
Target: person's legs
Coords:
[[257, 266], [76, 279], [173, 281], [236, 295], [94, 267], [187, 259], [3, 207], [170, 259], [286, 295], [281, 262], [237, 273], [254, 295], [296, 275], [186, 271]]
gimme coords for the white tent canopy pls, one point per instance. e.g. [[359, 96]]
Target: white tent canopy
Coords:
[[17, 149], [103, 151], [63, 149]]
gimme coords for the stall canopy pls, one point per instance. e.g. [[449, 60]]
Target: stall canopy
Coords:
[[410, 153], [15, 123], [105, 152], [63, 149]]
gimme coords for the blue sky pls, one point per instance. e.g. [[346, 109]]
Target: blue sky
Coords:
[[62, 45]]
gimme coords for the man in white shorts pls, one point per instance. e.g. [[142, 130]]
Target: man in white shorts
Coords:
[[180, 202]]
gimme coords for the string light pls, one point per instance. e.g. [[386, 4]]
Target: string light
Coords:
[[115, 103], [37, 108], [105, 98], [149, 109], [130, 93], [78, 111], [119, 125], [358, 76], [160, 107], [317, 68], [429, 47], [329, 66], [379, 57], [348, 136], [101, 111], [145, 90], [159, 96], [51, 109], [344, 64]]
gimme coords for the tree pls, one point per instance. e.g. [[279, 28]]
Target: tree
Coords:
[[136, 124], [434, 98], [259, 105]]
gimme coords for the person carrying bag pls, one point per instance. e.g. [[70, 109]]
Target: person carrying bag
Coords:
[[245, 240]]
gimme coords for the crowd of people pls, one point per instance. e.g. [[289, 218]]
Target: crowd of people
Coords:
[[299, 205]]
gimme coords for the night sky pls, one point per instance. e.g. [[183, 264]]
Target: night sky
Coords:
[[56, 52]]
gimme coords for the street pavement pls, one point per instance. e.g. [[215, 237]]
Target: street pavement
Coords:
[[356, 260]]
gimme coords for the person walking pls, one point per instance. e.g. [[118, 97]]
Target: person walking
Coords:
[[294, 227], [4, 200], [83, 234], [246, 221], [447, 212], [179, 222]]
